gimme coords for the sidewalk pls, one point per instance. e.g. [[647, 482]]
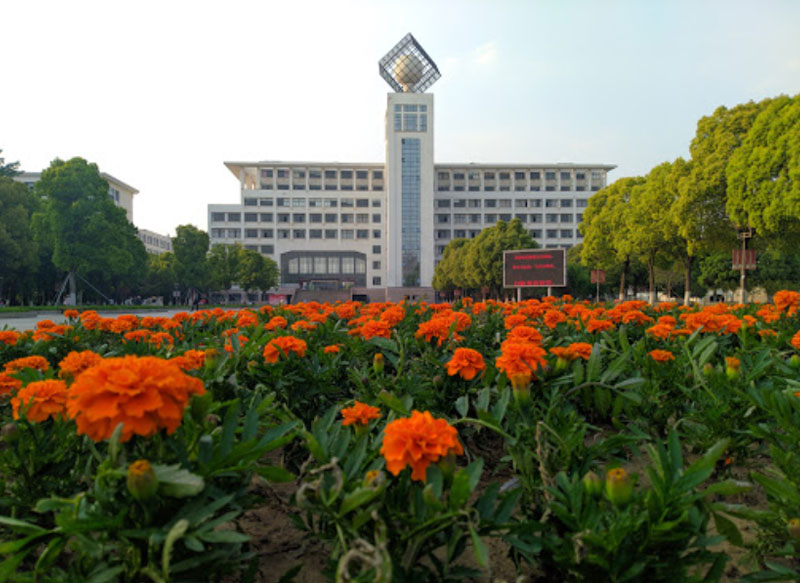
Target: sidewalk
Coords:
[[27, 320]]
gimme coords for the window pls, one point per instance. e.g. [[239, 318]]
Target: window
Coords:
[[294, 266], [347, 203], [283, 233], [565, 189], [566, 203], [580, 188], [218, 217], [596, 175], [491, 218], [331, 203], [460, 203], [233, 233], [522, 218], [315, 218], [266, 173], [265, 201], [460, 234], [474, 203], [362, 234], [376, 233], [550, 188], [581, 203], [283, 217], [376, 265], [362, 202], [551, 203], [346, 174], [488, 175], [217, 233], [250, 217], [552, 233], [505, 217], [443, 203], [267, 233], [505, 176], [550, 175], [376, 280], [330, 234], [320, 265], [330, 217], [251, 202], [536, 233], [299, 234], [251, 233], [306, 264], [490, 203], [521, 204], [315, 202], [475, 218], [376, 217], [459, 219], [333, 265], [269, 249], [315, 234], [504, 203], [282, 202], [443, 175], [362, 218], [298, 202], [362, 174], [442, 219], [442, 234], [536, 175], [376, 203], [519, 176], [565, 176], [566, 218], [348, 265], [377, 174], [580, 176], [376, 249], [330, 174], [266, 217], [315, 174], [361, 266], [595, 188], [536, 218], [566, 233], [329, 186], [283, 173], [234, 217], [347, 218], [299, 217], [347, 233], [283, 187], [579, 218]]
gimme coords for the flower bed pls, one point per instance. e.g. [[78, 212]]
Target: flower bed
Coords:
[[628, 443]]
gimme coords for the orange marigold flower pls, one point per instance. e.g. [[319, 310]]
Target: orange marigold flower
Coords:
[[661, 355], [332, 349], [582, 349], [597, 325], [417, 441], [161, 338], [466, 363], [137, 335], [75, 363], [767, 332], [393, 316], [514, 320], [70, 313], [360, 414], [795, 341], [303, 325], [286, 344], [660, 331], [733, 362], [553, 318], [8, 384], [787, 301], [635, 316], [40, 400], [520, 357], [9, 337], [145, 394], [190, 360], [276, 322], [373, 328], [37, 362], [525, 334]]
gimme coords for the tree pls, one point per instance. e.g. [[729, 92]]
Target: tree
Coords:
[[605, 229], [764, 175], [716, 272], [257, 271], [223, 265], [10, 170], [90, 236], [483, 261], [449, 274], [160, 279], [18, 258], [190, 246]]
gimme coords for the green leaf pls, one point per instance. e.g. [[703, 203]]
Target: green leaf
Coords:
[[700, 470], [778, 489], [177, 531], [499, 409], [728, 529], [21, 525], [482, 402], [177, 482], [393, 402], [459, 491], [462, 405], [384, 344], [224, 536], [8, 568], [104, 574], [479, 548], [356, 498], [727, 488], [275, 474], [474, 471]]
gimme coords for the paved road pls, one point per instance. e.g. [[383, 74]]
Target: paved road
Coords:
[[27, 321]]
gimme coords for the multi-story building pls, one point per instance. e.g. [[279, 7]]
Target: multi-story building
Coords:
[[385, 225], [155, 243]]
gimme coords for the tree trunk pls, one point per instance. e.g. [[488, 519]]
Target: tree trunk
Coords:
[[687, 293], [72, 299], [651, 278], [622, 279]]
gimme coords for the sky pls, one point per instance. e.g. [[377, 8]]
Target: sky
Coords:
[[160, 94]]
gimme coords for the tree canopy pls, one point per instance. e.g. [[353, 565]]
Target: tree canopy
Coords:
[[190, 246], [10, 170], [18, 257]]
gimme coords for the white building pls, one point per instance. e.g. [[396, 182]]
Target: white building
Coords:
[[384, 226], [155, 243]]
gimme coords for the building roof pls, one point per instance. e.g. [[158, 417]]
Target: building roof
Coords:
[[118, 182]]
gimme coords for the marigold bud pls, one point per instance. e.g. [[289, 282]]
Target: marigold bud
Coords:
[[708, 369], [619, 486], [793, 528], [521, 384], [732, 367], [142, 481], [794, 361], [9, 433], [378, 363], [592, 484], [561, 365]]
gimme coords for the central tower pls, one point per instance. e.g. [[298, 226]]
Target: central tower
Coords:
[[409, 71]]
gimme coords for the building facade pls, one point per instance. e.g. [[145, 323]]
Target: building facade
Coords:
[[385, 225], [155, 243]]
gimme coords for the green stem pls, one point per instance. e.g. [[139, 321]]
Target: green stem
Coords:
[[494, 428]]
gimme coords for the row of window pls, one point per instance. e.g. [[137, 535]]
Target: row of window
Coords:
[[314, 174], [461, 219], [344, 218], [535, 233], [508, 203], [517, 188], [314, 202], [376, 186], [329, 265], [343, 234], [518, 175]]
